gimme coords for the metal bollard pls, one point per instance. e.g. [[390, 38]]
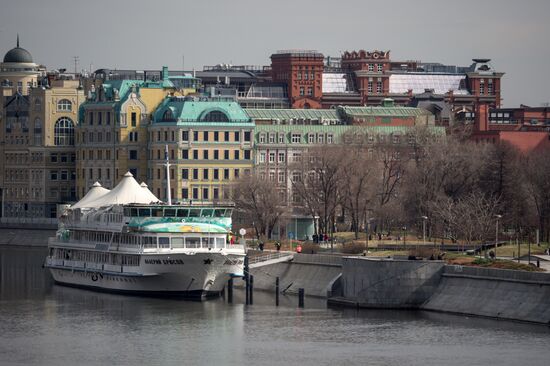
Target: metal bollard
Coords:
[[277, 291], [246, 280], [538, 263], [251, 289], [230, 291], [301, 297]]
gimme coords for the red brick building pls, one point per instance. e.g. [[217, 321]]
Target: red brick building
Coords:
[[302, 71], [523, 127]]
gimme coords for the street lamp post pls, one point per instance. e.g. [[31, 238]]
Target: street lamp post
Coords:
[[498, 217], [424, 218], [404, 237]]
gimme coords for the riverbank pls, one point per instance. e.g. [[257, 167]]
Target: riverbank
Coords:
[[25, 237], [432, 285]]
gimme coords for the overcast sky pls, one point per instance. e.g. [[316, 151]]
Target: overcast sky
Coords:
[[149, 34]]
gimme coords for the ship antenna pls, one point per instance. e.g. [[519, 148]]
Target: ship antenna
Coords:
[[168, 190]]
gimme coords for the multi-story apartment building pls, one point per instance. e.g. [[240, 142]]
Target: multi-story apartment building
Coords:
[[113, 137], [37, 132], [210, 144]]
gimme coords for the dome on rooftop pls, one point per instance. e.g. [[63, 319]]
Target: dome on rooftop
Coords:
[[18, 55]]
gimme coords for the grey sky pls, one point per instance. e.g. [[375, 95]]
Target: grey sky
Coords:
[[149, 34]]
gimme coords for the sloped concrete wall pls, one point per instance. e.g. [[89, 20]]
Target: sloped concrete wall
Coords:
[[387, 283], [495, 293], [316, 279]]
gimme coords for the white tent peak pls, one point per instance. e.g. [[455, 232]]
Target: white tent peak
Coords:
[[144, 185], [96, 192], [127, 191]]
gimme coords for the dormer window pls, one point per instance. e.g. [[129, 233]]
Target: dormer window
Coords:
[[215, 116], [168, 115]]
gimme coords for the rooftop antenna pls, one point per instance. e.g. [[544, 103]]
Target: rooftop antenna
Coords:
[[17, 40], [167, 164], [183, 64], [75, 58]]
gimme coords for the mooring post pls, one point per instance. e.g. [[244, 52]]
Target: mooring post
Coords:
[[230, 290], [538, 263], [251, 289], [277, 291], [301, 297], [246, 280]]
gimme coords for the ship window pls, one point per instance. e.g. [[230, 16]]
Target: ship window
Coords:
[[126, 212], [194, 212], [218, 213], [133, 212], [183, 212], [144, 212], [228, 213], [164, 242], [208, 243], [193, 242], [170, 212], [207, 212], [157, 212], [177, 243], [220, 242]]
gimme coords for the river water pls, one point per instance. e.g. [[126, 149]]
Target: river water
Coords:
[[46, 324]]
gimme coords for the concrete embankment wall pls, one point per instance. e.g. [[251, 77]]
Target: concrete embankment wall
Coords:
[[389, 283], [495, 293], [25, 237], [317, 274]]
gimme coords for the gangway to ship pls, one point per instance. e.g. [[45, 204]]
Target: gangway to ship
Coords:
[[268, 258]]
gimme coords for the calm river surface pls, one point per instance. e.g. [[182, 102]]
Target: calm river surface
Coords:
[[46, 324]]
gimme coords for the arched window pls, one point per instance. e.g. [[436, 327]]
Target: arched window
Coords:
[[215, 116], [64, 105], [168, 115], [64, 132]]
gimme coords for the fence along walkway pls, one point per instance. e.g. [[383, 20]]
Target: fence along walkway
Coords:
[[267, 258]]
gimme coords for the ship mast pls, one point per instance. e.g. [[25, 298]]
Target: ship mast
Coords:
[[167, 164]]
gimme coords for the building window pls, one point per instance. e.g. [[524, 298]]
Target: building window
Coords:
[[371, 67], [262, 138], [296, 138], [64, 105], [185, 135], [168, 116], [296, 177], [226, 154], [302, 91], [205, 136], [379, 87], [216, 136], [379, 67], [271, 157], [226, 136], [247, 136], [205, 193], [247, 155], [195, 174], [216, 174], [215, 116], [108, 119], [226, 174], [134, 119], [236, 173], [185, 193], [195, 193], [281, 157], [195, 135], [185, 154], [490, 89], [205, 154], [53, 175], [330, 139], [205, 174], [321, 138], [216, 154], [99, 118], [133, 154], [281, 177], [185, 174], [281, 138], [310, 91], [64, 132], [237, 136], [196, 154], [262, 157], [271, 138], [237, 154]]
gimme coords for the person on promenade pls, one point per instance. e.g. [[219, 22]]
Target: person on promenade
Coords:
[[278, 246]]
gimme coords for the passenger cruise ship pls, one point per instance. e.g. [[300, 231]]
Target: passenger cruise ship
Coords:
[[125, 240]]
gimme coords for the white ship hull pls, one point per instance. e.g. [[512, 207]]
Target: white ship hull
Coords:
[[193, 275]]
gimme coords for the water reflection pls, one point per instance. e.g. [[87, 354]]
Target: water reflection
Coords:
[[45, 324]]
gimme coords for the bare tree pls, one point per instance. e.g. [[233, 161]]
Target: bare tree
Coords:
[[537, 171], [316, 181], [259, 202]]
